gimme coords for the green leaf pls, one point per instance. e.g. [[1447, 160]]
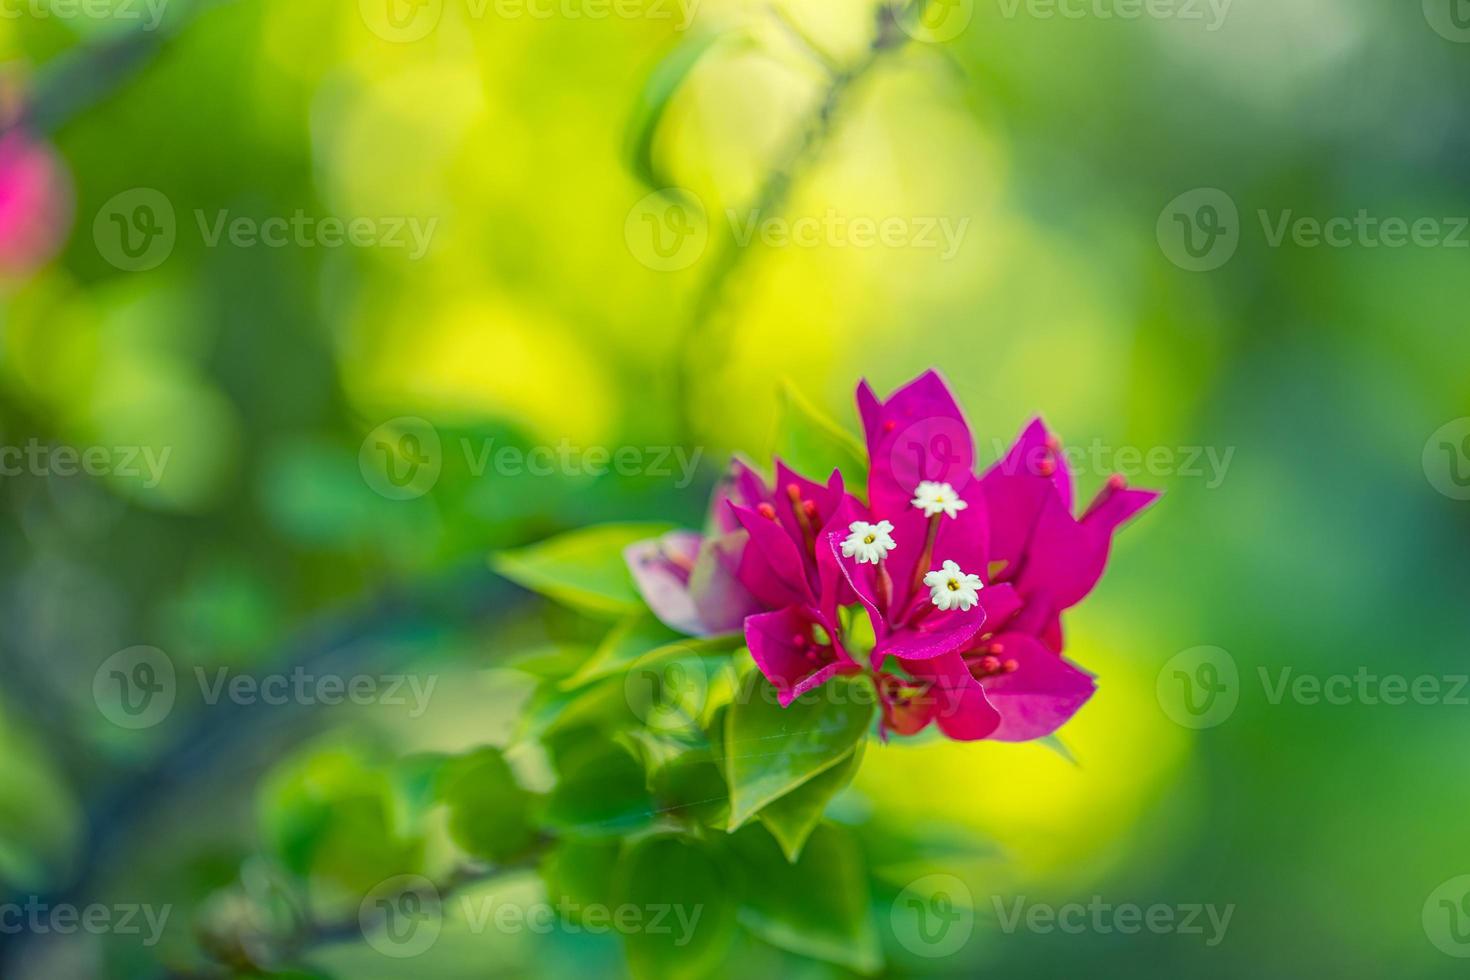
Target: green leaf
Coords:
[[690, 882], [811, 443], [604, 792], [1055, 743], [658, 91], [581, 872], [793, 817], [583, 569], [489, 813], [624, 643], [771, 750], [330, 813], [686, 783], [818, 907]]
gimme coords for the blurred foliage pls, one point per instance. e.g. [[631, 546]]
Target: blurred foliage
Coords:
[[531, 321]]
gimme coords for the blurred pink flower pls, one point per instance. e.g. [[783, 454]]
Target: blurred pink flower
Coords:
[[35, 203]]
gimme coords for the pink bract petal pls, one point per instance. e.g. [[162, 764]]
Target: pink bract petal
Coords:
[[918, 434], [1018, 486], [661, 568], [1116, 504], [1041, 695], [771, 567], [719, 597], [782, 646], [963, 711], [937, 634], [740, 485]]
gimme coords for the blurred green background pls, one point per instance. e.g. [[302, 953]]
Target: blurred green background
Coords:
[[548, 307]]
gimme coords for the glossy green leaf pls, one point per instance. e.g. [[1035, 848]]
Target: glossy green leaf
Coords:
[[771, 750], [489, 813], [793, 817], [602, 792], [583, 569], [330, 813], [579, 873], [688, 887], [687, 784], [817, 907], [810, 442], [624, 643]]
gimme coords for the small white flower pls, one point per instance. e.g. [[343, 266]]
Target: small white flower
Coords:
[[938, 498], [868, 543], [949, 587]]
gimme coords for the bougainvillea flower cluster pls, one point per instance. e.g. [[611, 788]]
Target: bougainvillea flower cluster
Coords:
[[962, 578]]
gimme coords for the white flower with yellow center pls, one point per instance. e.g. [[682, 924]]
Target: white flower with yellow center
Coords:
[[938, 498], [951, 588], [868, 543]]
